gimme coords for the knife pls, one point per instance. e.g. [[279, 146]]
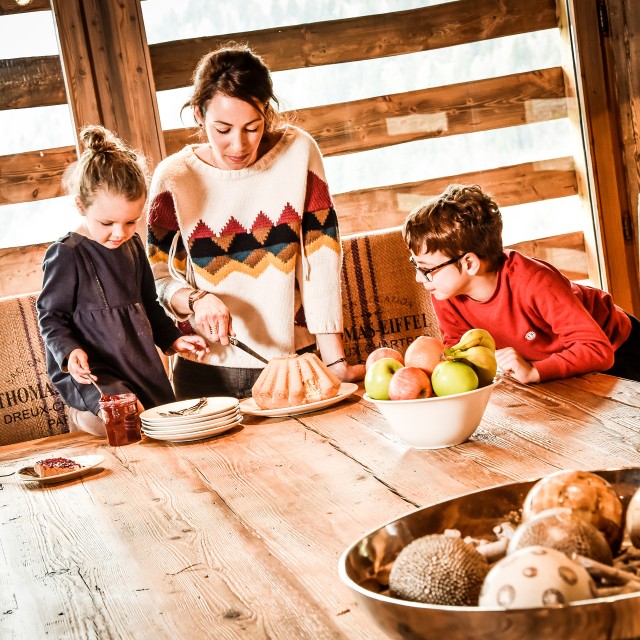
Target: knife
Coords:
[[241, 345]]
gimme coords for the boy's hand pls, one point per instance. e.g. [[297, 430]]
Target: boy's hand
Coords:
[[191, 344], [513, 364], [78, 366]]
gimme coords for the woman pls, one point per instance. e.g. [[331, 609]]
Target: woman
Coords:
[[243, 238]]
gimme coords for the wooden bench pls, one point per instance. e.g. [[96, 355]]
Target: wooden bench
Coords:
[[30, 406]]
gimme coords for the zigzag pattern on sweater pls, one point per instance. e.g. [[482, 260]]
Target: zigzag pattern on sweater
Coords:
[[237, 249]]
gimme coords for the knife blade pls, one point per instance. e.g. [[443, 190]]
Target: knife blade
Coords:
[[241, 345]]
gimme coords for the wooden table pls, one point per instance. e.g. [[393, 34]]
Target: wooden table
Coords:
[[239, 536]]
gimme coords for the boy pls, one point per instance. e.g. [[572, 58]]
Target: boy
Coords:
[[544, 325]]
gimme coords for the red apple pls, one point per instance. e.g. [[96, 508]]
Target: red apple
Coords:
[[410, 383], [383, 352]]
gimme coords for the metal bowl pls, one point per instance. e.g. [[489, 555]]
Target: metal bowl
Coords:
[[365, 566]]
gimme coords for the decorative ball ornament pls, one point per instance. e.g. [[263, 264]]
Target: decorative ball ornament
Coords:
[[564, 530], [536, 577], [585, 493]]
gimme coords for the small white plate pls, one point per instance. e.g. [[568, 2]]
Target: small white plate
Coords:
[[181, 420], [217, 405], [250, 407], [87, 462], [194, 435], [192, 428]]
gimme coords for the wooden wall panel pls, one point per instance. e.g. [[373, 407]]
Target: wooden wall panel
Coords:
[[357, 126], [566, 252], [362, 38], [36, 175], [467, 107], [337, 40], [21, 269], [373, 209], [368, 210], [31, 82]]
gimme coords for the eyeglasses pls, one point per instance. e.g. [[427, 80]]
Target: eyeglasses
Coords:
[[428, 273]]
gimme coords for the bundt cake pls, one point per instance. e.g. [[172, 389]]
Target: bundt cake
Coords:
[[294, 380]]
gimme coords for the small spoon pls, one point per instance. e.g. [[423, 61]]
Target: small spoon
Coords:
[[93, 382]]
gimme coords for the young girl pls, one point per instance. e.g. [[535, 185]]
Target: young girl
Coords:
[[98, 312]]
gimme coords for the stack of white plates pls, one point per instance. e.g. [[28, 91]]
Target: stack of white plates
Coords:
[[218, 414]]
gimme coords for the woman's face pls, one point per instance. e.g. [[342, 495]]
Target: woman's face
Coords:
[[234, 129]]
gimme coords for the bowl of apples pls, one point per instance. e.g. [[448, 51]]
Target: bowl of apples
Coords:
[[433, 396]]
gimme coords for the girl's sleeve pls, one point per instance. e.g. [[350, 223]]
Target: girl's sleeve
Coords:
[[162, 226], [57, 302], [165, 332], [586, 348], [319, 272]]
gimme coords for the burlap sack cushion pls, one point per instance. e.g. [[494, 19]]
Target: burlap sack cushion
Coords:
[[383, 305], [30, 407]]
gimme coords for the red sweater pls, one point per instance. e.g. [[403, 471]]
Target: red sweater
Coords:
[[562, 328]]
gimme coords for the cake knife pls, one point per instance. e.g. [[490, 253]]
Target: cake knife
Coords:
[[241, 345]]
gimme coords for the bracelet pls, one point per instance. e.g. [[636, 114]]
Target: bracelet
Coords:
[[338, 361], [194, 296]]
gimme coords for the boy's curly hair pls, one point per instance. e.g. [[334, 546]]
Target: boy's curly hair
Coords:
[[462, 219]]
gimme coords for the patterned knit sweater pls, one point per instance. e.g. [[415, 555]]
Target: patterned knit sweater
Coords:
[[242, 231]]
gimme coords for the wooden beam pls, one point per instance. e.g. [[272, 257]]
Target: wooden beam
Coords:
[[8, 7], [587, 206], [36, 175], [565, 252], [108, 70], [480, 105], [373, 209], [335, 41], [362, 38], [359, 125], [31, 82], [624, 24], [21, 269], [600, 117]]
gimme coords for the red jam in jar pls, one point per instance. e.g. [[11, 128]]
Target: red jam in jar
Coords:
[[121, 418]]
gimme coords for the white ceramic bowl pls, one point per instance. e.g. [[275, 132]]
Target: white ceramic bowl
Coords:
[[437, 422]]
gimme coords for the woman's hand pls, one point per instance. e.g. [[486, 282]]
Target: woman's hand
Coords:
[[513, 364], [213, 319], [78, 366], [348, 372], [191, 344]]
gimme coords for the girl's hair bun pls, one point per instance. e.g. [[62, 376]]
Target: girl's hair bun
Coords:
[[98, 139]]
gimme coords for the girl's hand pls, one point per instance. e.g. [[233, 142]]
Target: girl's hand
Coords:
[[191, 344], [348, 372], [513, 364], [213, 319], [78, 367]]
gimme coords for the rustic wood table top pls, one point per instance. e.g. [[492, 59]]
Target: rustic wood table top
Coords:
[[239, 536]]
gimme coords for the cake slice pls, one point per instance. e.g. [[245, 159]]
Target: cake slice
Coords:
[[55, 466]]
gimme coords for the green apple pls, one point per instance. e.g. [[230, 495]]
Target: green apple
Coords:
[[378, 377], [451, 377]]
